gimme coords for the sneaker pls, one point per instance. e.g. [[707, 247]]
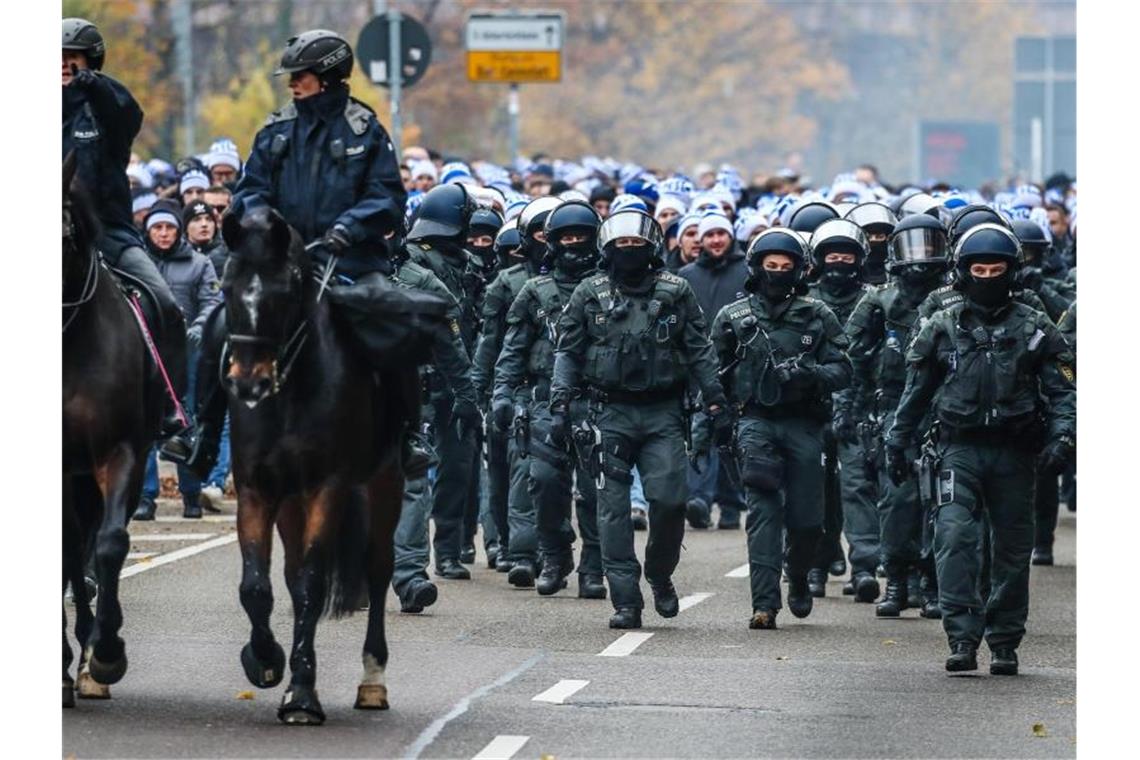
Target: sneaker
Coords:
[[211, 499]]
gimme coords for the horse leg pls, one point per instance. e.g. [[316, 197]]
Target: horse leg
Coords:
[[83, 508], [300, 704], [262, 657], [119, 479], [385, 497]]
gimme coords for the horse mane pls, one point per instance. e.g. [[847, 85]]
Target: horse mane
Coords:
[[260, 220]]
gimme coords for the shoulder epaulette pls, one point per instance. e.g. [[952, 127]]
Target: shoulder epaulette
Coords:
[[599, 280], [287, 113], [357, 115], [669, 277]]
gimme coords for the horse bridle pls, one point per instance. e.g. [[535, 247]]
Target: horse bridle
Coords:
[[91, 279]]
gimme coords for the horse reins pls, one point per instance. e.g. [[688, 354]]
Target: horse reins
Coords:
[[90, 284]]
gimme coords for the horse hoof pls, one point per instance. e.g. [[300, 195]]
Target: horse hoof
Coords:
[[88, 688], [300, 707], [371, 697], [263, 675], [106, 673], [68, 693]]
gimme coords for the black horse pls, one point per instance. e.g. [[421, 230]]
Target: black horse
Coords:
[[315, 437], [112, 408]]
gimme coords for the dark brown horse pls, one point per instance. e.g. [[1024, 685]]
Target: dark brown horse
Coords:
[[111, 413], [315, 439]]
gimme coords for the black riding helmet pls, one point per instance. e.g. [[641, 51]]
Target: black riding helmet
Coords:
[[80, 34], [1035, 244], [973, 215], [507, 244], [810, 215], [577, 218], [919, 239], [445, 214], [325, 53]]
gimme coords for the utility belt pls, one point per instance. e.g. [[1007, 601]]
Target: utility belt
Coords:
[[637, 398], [806, 409], [1025, 437]]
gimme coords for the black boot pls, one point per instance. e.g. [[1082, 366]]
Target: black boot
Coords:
[[763, 620], [467, 553], [1003, 662], [964, 657], [894, 599], [817, 582], [552, 579], [849, 587], [522, 574], [866, 587], [914, 589], [492, 550], [145, 509], [191, 508], [591, 587], [452, 570], [1042, 556], [799, 597], [697, 512], [665, 599], [419, 594], [626, 617]]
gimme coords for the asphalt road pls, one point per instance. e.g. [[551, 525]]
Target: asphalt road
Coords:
[[493, 671]]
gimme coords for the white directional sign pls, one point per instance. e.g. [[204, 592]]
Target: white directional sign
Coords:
[[532, 32]]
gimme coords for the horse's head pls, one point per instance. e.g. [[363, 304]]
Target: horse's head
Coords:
[[266, 288], [80, 224]]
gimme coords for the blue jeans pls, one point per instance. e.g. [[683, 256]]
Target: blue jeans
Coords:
[[222, 468], [636, 494], [188, 483]]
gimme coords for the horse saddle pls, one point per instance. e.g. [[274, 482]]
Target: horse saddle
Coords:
[[129, 285], [392, 325]]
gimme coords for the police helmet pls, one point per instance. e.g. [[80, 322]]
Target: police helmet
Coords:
[[986, 241], [445, 213], [779, 240], [919, 203], [873, 217], [325, 53], [484, 221], [918, 239], [508, 240], [534, 214], [838, 236], [80, 34], [572, 216], [810, 215], [971, 216], [1034, 242]]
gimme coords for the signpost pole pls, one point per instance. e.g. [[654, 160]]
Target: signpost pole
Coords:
[[395, 76], [513, 114]]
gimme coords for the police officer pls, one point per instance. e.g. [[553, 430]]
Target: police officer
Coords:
[[993, 370], [1041, 272], [839, 251], [436, 243], [877, 222], [527, 362], [879, 329], [522, 550], [327, 165], [630, 340], [781, 354], [100, 121]]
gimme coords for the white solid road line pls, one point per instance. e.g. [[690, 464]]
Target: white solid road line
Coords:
[[625, 645], [140, 555], [172, 536], [557, 694], [502, 747], [692, 599], [740, 572], [174, 556], [202, 519]]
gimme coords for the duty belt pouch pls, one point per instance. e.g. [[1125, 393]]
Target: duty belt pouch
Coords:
[[945, 487], [617, 467], [550, 454], [763, 471]]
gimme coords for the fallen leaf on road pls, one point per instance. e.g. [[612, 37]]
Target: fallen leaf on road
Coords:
[[1066, 701], [889, 642], [245, 695], [781, 657], [1039, 730]]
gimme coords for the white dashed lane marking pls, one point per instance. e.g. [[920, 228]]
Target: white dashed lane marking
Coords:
[[625, 645], [740, 572], [502, 747], [174, 556], [172, 537], [692, 599], [559, 692]]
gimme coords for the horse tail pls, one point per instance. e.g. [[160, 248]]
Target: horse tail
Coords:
[[347, 583]]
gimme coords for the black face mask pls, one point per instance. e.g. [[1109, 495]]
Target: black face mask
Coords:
[[575, 260], [988, 292], [485, 254], [631, 264], [875, 267], [920, 276], [840, 278], [776, 286]]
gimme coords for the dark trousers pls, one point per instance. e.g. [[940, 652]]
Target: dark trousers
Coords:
[[453, 477]]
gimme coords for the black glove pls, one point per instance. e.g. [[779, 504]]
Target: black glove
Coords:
[[794, 373], [722, 427], [83, 79], [1056, 455], [336, 240], [898, 465], [466, 416], [1031, 278], [559, 426], [844, 427], [502, 415]]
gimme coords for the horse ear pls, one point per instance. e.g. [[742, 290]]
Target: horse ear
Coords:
[[231, 230], [70, 163], [280, 236]]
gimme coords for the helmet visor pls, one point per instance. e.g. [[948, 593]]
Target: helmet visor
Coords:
[[629, 224], [918, 245], [871, 214]]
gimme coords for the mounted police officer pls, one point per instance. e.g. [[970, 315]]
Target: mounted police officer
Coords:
[[781, 355], [525, 366], [879, 329], [631, 340], [100, 121], [327, 165], [999, 376], [839, 251]]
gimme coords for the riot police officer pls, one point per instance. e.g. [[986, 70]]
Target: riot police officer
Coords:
[[1040, 272], [327, 165], [879, 329], [994, 371], [630, 340], [781, 354], [527, 363], [100, 121], [839, 251], [877, 222]]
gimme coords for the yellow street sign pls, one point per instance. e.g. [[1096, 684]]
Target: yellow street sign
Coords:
[[514, 66]]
